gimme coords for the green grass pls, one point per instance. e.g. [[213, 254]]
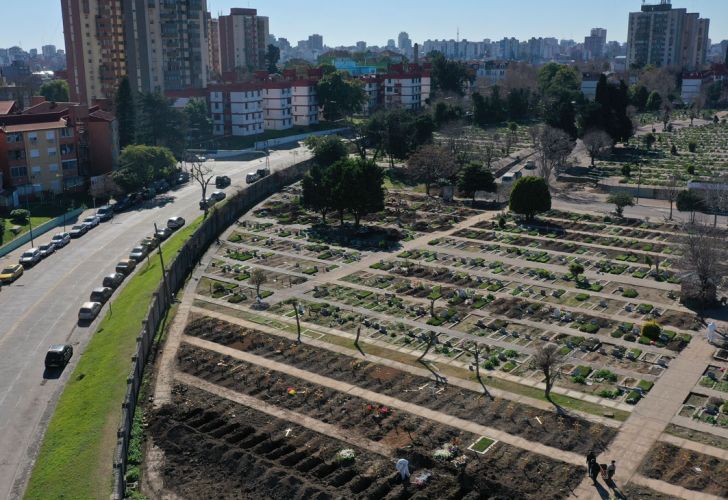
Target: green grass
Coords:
[[249, 141], [75, 458], [482, 444]]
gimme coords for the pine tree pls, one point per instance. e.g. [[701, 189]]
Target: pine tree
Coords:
[[125, 113]]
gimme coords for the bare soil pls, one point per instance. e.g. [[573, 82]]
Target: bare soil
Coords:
[[680, 466]]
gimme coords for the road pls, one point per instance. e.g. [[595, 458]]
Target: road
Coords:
[[41, 309]]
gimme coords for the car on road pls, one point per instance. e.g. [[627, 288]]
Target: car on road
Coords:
[[60, 240], [207, 202], [218, 195], [530, 165], [183, 177], [101, 294], [263, 172], [91, 221], [30, 257], [78, 230], [58, 355], [222, 181], [150, 242], [251, 177], [137, 254], [46, 250], [125, 267], [105, 213], [175, 223], [89, 311], [113, 280], [11, 273], [163, 233], [511, 177]]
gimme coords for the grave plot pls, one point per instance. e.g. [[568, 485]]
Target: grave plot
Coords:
[[711, 410]]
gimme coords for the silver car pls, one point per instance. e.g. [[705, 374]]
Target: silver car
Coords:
[[46, 250], [89, 311], [91, 221]]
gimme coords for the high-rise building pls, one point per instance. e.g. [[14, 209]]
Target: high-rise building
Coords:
[[160, 45], [361, 46], [316, 42], [213, 45], [664, 36], [243, 37], [595, 43], [404, 43], [48, 50], [509, 49]]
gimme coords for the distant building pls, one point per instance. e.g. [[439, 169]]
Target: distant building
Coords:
[[492, 72], [316, 42], [589, 83], [595, 43], [213, 46], [404, 43], [243, 40], [663, 36], [48, 50], [361, 46]]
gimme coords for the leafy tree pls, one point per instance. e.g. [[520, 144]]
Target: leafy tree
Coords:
[[608, 112], [654, 101], [530, 196], [55, 91], [648, 140], [272, 56], [316, 194], [340, 96], [125, 110], [638, 97], [518, 104], [690, 201], [596, 142], [141, 165], [424, 127], [327, 149], [445, 112], [161, 125], [621, 200], [576, 269], [363, 181], [429, 164], [198, 119], [447, 75], [473, 178]]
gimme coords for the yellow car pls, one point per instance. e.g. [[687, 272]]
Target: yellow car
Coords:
[[11, 273]]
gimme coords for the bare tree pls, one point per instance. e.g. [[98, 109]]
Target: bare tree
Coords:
[[431, 340], [596, 142], [202, 174], [534, 132], [430, 163], [553, 147], [672, 190], [666, 115], [705, 262], [489, 154], [716, 197], [257, 278], [475, 351], [548, 360]]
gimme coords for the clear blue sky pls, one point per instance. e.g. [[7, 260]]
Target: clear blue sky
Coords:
[[32, 23]]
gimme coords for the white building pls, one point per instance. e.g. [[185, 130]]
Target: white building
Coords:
[[305, 105], [236, 110], [277, 105]]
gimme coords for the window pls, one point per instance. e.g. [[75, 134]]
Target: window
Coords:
[[33, 137], [15, 137], [34, 153], [51, 135], [19, 171], [66, 132], [53, 167], [67, 149], [35, 170], [51, 152]]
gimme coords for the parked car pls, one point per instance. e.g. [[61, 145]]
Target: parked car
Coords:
[[218, 195], [183, 177], [137, 254], [113, 280], [150, 242], [511, 177], [251, 177], [175, 223], [161, 186], [530, 165], [78, 230], [105, 213], [101, 294], [163, 233], [11, 273], [263, 172], [222, 181], [58, 355], [92, 221], [46, 250], [125, 267], [207, 202], [89, 311], [60, 240], [30, 257]]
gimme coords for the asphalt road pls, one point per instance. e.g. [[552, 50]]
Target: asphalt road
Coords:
[[41, 309]]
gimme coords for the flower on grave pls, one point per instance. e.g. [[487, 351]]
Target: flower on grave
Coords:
[[345, 455], [291, 391], [383, 410], [442, 454]]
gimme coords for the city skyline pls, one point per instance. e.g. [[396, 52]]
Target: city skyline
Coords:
[[39, 23]]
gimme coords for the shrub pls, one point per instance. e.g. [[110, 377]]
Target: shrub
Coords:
[[501, 222], [691, 169], [582, 297], [692, 146], [605, 375], [20, 215], [578, 379], [589, 328], [626, 170], [633, 397], [645, 385], [630, 293], [651, 330]]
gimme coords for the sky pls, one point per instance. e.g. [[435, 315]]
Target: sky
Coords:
[[32, 23]]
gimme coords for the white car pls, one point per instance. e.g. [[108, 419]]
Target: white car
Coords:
[[92, 221], [30, 257], [46, 250], [60, 240], [175, 223], [89, 311]]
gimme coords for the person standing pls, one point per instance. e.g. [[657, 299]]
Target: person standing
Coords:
[[593, 470], [611, 469]]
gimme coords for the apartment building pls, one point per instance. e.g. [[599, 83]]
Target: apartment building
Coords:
[[243, 40], [664, 36], [277, 105], [595, 43], [404, 85], [236, 109], [213, 44], [304, 104]]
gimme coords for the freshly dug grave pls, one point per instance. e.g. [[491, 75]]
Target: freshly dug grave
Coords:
[[560, 431], [679, 466], [638, 492]]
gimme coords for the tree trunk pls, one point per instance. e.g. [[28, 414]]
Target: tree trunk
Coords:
[[358, 332], [430, 340], [357, 219], [670, 209], [298, 324], [427, 188], [592, 160], [341, 217], [323, 217]]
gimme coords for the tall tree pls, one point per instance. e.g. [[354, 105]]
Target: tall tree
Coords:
[[430, 163], [55, 91], [316, 189], [340, 96], [327, 149], [161, 125], [473, 178], [690, 201], [553, 147], [125, 110], [140, 165], [448, 76], [530, 196], [363, 179], [596, 142], [199, 128], [272, 56], [621, 199], [548, 361], [705, 262]]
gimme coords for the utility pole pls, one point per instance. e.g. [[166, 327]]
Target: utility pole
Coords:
[[639, 180], [30, 220], [161, 260]]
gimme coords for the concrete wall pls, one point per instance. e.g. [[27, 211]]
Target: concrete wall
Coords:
[[38, 231]]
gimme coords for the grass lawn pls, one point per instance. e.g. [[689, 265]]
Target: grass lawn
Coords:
[[40, 214], [234, 142], [75, 459]]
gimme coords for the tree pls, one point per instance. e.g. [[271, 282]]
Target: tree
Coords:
[[666, 115], [125, 110], [198, 120], [672, 190], [448, 75], [576, 269], [327, 149], [272, 56], [596, 141], [316, 194], [362, 182], [141, 165], [690, 201], [716, 197], [55, 91], [430, 163], [639, 96], [473, 178], [705, 262], [161, 125], [654, 101], [649, 139], [257, 278], [476, 351], [621, 199], [202, 174], [553, 147], [340, 96], [548, 361], [530, 196]]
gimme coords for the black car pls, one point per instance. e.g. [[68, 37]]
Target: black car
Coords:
[[78, 231], [222, 181], [101, 294], [58, 355], [113, 280]]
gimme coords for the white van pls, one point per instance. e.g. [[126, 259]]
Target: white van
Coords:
[[251, 177], [511, 177]]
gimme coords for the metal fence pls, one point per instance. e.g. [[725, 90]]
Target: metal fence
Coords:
[[177, 271]]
